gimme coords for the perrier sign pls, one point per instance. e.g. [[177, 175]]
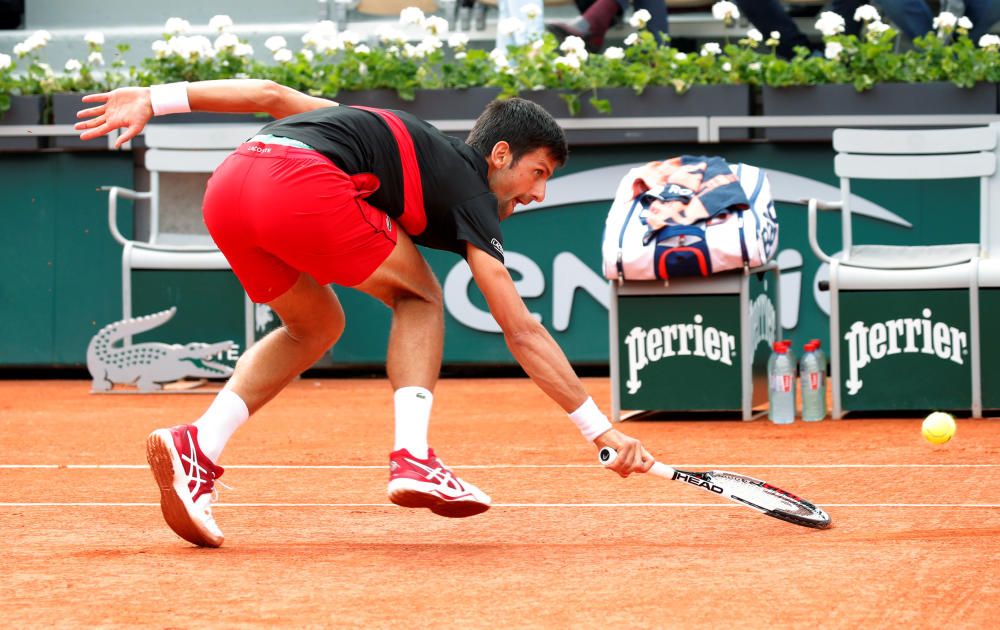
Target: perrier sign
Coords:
[[905, 350], [687, 351]]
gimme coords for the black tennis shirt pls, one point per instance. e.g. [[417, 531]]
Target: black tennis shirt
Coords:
[[458, 202]]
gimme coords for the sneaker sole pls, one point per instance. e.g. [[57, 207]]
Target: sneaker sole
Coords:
[[175, 511], [412, 498]]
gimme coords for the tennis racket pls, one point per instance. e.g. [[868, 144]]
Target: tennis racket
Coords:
[[744, 490]]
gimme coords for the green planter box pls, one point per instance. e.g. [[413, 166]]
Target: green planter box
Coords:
[[699, 344], [24, 110], [901, 99], [701, 100], [905, 350]]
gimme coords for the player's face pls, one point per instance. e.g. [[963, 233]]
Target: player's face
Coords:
[[522, 182]]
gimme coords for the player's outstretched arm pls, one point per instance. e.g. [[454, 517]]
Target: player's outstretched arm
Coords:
[[540, 356], [131, 108]]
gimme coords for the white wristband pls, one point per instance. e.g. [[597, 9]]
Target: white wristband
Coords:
[[171, 98], [590, 420]]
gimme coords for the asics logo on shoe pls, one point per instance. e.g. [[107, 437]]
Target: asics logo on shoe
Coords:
[[434, 474], [197, 476]]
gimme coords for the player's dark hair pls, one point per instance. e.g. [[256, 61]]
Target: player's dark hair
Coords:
[[524, 125]]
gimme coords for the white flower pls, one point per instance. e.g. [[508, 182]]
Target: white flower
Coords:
[[307, 54], [283, 55], [754, 67], [830, 23], [226, 41], [639, 19], [632, 39], [572, 44], [351, 38], [7, 62], [680, 56], [319, 35], [428, 45], [833, 50], [437, 26], [945, 21], [988, 40], [964, 22], [36, 40], [727, 67], [711, 48], [499, 58], [537, 44], [411, 16], [867, 13], [73, 65], [94, 38], [220, 23], [510, 26], [461, 55], [755, 36], [46, 69], [725, 11], [411, 51], [614, 53], [275, 43], [531, 11], [160, 48], [877, 27], [362, 49], [95, 59], [569, 61], [458, 40], [243, 50], [177, 26], [775, 35], [388, 34], [362, 67]]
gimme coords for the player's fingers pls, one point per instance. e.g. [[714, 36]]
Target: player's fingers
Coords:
[[90, 112], [96, 98], [95, 133], [127, 135], [647, 460], [90, 124]]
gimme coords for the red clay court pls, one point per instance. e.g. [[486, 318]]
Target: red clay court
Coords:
[[312, 541]]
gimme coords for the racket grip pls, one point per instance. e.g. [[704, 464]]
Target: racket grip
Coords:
[[607, 455]]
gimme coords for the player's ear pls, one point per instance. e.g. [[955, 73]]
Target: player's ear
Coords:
[[501, 156]]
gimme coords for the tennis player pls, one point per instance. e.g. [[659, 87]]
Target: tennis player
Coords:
[[330, 194]]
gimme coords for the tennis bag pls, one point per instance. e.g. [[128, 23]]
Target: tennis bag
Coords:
[[743, 234]]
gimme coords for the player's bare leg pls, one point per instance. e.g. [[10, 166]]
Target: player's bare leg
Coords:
[[417, 478], [183, 462]]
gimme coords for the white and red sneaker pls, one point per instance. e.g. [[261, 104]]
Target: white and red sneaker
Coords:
[[186, 478], [428, 483]]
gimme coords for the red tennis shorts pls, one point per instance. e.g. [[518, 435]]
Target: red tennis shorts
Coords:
[[277, 211]]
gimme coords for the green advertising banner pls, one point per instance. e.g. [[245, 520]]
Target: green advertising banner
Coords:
[[66, 279], [905, 350]]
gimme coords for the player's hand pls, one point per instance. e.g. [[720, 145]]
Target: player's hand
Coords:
[[128, 107], [632, 456]]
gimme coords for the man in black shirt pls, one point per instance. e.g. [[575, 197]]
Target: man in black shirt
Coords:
[[319, 197]]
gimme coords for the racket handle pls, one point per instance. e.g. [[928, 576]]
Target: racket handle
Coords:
[[607, 455]]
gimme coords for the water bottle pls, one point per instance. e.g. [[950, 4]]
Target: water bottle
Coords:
[[812, 380], [781, 385], [820, 355]]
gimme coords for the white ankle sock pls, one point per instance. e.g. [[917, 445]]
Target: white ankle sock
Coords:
[[227, 413], [413, 415]]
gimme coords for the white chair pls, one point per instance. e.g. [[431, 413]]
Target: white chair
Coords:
[[919, 155], [177, 149]]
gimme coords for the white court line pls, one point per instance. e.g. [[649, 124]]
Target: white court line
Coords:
[[508, 505], [489, 466]]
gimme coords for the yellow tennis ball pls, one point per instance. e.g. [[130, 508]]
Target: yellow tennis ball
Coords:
[[938, 427]]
